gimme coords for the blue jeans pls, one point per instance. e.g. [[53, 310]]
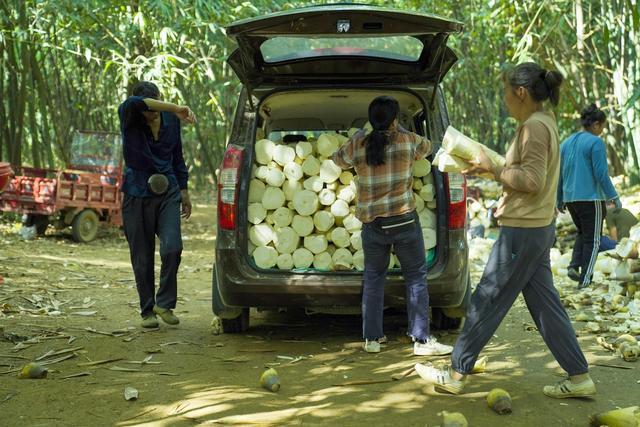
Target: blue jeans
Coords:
[[404, 233]]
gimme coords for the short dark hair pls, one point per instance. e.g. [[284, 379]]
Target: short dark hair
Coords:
[[145, 89], [382, 112], [591, 114], [542, 84]]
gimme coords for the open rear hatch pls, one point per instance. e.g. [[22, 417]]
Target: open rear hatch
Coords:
[[342, 44]]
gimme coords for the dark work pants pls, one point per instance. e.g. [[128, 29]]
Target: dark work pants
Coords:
[[145, 218], [519, 262], [588, 218], [403, 232]]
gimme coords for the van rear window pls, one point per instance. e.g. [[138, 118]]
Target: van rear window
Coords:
[[402, 48]]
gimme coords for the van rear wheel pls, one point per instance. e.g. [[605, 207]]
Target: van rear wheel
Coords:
[[444, 322], [238, 324]]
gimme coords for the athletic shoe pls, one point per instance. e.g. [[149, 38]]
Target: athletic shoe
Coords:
[[150, 321], [166, 314], [440, 378], [566, 388], [573, 274], [371, 346], [431, 348]]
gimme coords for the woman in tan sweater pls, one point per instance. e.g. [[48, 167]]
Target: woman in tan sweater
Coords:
[[519, 260]]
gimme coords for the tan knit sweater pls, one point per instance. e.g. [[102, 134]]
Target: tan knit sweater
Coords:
[[530, 176]]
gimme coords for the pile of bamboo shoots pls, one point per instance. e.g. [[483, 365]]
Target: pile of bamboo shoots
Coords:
[[302, 207]]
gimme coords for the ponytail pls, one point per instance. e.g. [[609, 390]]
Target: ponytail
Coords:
[[382, 112], [542, 84]]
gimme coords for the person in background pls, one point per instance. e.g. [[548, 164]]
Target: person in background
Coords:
[[520, 258], [155, 188], [383, 161], [619, 221], [583, 188]]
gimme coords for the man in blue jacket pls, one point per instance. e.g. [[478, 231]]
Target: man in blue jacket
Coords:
[[155, 195], [583, 188]]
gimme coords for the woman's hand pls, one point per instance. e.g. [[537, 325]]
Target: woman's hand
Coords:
[[481, 164], [185, 114]]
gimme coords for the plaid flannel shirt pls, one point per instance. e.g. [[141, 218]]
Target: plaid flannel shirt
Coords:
[[385, 190]]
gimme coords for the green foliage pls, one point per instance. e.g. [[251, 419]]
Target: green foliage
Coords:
[[67, 64]]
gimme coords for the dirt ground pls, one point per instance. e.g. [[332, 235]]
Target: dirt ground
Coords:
[[60, 295]]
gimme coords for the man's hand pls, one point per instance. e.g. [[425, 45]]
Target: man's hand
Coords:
[[561, 208], [481, 164], [186, 204], [185, 114]]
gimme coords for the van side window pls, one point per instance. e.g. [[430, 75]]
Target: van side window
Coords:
[[244, 121]]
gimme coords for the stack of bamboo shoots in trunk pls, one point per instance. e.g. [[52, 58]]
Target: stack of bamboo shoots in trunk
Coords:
[[302, 207]]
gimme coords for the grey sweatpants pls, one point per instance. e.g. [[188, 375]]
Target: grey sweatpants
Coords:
[[519, 262]]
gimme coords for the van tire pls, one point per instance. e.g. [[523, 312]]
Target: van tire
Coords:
[[237, 324], [234, 319], [443, 322]]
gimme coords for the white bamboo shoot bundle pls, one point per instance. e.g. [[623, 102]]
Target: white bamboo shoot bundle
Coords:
[[346, 177], [342, 258], [358, 260], [286, 240], [256, 213], [265, 256], [351, 223], [285, 261], [427, 192], [311, 166], [326, 145], [346, 193], [340, 209], [419, 202], [262, 172], [316, 243], [429, 236], [340, 237], [261, 234], [626, 248], [323, 220], [313, 183], [326, 197], [305, 202], [282, 217], [304, 149], [290, 188], [356, 240], [293, 171], [329, 171], [283, 154], [264, 151], [417, 184], [460, 145], [275, 177], [273, 198], [256, 191], [303, 225], [323, 261], [421, 168], [302, 258]]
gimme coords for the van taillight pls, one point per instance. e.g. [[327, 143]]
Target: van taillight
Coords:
[[228, 187], [457, 199]]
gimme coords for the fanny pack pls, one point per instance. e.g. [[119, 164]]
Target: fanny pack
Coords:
[[396, 223], [158, 184]]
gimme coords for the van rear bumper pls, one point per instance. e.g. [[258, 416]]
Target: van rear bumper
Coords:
[[240, 285]]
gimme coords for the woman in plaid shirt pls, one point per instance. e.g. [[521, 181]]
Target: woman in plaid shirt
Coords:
[[383, 160]]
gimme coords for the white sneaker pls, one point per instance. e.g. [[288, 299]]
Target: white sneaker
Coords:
[[440, 378], [371, 346], [431, 348]]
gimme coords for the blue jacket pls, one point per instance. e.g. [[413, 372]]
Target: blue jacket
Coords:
[[584, 173], [143, 156]]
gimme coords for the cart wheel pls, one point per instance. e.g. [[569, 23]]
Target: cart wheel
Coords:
[[85, 226]]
